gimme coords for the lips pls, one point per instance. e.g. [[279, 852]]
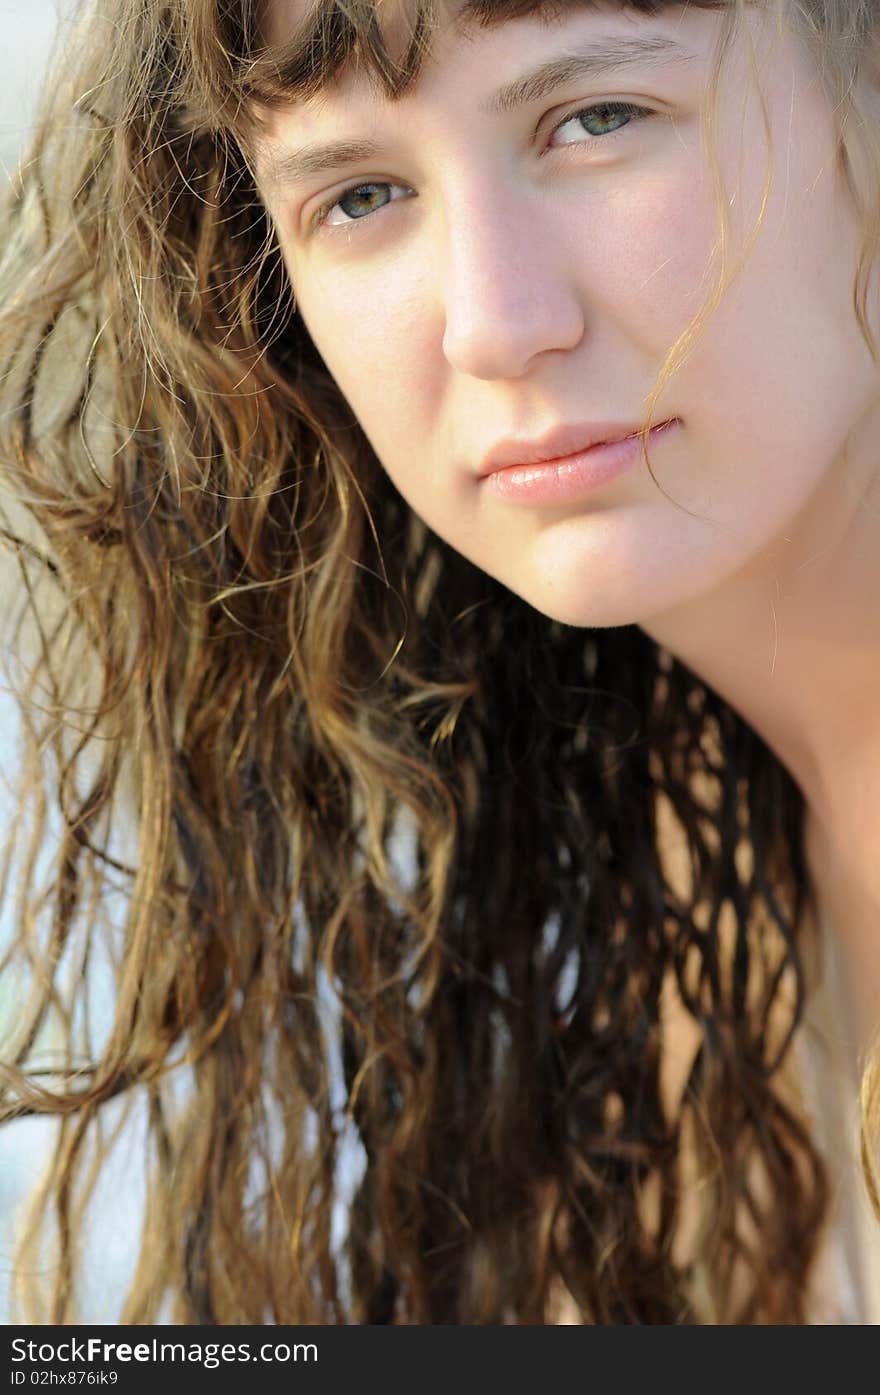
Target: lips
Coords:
[[562, 441]]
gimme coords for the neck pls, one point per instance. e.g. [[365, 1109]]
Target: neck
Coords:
[[792, 642], [847, 900]]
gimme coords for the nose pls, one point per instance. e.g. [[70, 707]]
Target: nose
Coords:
[[508, 296]]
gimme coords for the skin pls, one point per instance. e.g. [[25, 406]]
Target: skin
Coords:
[[519, 274]]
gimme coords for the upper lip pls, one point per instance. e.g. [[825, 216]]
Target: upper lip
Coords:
[[557, 444]]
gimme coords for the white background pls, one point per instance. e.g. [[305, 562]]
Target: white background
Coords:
[[27, 28]]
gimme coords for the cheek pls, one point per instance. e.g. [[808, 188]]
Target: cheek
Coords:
[[640, 253], [780, 373], [385, 355], [783, 370]]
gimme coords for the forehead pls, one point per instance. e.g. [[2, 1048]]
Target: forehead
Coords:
[[311, 41], [278, 20]]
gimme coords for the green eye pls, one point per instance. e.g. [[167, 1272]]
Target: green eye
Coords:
[[602, 113]]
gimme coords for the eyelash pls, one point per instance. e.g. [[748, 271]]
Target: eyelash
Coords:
[[637, 113]]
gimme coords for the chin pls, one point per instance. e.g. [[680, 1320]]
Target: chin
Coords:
[[583, 613]]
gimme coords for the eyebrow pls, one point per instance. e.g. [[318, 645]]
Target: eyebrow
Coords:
[[595, 59], [590, 61]]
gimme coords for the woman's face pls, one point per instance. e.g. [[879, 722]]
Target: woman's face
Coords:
[[514, 256]]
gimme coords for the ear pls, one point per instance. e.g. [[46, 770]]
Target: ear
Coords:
[[858, 119], [871, 64], [866, 86]]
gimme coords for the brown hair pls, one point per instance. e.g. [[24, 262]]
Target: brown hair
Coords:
[[283, 731]]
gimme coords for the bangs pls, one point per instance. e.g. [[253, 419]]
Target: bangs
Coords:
[[388, 41]]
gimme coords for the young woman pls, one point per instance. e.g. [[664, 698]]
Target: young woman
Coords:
[[439, 446]]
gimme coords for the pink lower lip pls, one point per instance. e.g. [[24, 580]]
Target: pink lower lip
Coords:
[[571, 476]]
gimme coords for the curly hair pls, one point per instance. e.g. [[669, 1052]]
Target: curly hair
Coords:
[[281, 727]]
